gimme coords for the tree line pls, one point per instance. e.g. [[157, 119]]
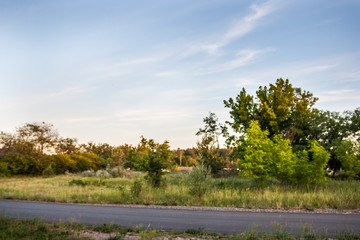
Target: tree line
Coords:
[[34, 147], [276, 133]]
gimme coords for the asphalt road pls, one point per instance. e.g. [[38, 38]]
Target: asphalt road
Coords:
[[226, 222]]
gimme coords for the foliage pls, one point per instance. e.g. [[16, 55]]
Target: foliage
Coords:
[[136, 187], [87, 160], [348, 154], [48, 171], [42, 135], [4, 170], [199, 180], [261, 158], [208, 148], [310, 167], [67, 146], [255, 154], [279, 109], [152, 158]]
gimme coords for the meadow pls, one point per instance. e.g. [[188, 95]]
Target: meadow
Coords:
[[235, 191]]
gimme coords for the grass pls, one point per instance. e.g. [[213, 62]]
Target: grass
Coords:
[[38, 229], [224, 192]]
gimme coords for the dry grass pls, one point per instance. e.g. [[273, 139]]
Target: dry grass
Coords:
[[227, 192]]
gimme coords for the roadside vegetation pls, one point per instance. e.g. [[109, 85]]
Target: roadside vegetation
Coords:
[[281, 152], [176, 191], [69, 229]]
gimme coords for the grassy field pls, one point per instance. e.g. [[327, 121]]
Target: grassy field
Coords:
[[223, 192], [38, 230]]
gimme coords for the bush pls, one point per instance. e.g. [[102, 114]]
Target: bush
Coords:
[[62, 163], [48, 171], [102, 173], [199, 180], [261, 158], [88, 173], [4, 170], [310, 166], [136, 187]]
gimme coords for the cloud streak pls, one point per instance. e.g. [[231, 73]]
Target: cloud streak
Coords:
[[238, 30], [244, 57]]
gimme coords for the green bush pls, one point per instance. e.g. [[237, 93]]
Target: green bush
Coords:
[[62, 163], [310, 166], [48, 171], [261, 158], [136, 187], [199, 180], [4, 170]]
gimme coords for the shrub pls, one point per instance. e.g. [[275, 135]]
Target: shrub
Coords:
[[310, 164], [199, 180], [88, 173], [102, 173], [48, 171], [136, 187], [62, 163], [4, 170]]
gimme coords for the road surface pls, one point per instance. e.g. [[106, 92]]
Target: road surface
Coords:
[[226, 222]]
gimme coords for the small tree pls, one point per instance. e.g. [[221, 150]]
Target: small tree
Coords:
[[255, 154], [310, 166], [199, 180], [154, 160], [208, 148], [348, 154]]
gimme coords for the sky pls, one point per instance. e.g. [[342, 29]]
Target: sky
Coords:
[[110, 71]]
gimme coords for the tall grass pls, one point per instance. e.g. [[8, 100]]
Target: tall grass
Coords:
[[223, 192]]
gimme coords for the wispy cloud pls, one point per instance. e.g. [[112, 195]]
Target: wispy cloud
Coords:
[[315, 69], [243, 58], [238, 30]]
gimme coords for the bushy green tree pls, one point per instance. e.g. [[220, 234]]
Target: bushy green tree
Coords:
[[153, 158], [310, 166], [348, 154], [283, 166], [255, 154], [279, 109], [261, 158]]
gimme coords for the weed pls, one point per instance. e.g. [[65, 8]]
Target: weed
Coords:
[[192, 231]]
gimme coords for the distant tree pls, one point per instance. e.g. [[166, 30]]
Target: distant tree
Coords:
[[67, 146], [42, 135]]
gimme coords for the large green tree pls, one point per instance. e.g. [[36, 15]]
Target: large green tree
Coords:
[[279, 109]]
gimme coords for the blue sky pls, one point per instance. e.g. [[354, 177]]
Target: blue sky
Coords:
[[111, 71]]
